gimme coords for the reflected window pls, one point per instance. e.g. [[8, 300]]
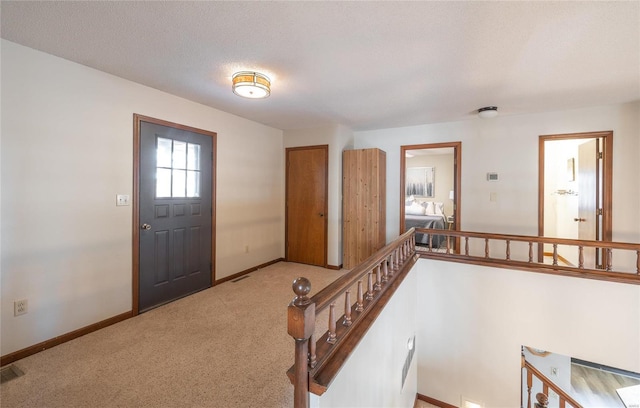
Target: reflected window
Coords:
[[177, 169]]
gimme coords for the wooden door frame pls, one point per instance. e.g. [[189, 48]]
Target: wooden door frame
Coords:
[[607, 181], [325, 148], [135, 269], [457, 177]]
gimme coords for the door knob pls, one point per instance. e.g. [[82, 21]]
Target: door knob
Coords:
[[145, 226], [321, 214]]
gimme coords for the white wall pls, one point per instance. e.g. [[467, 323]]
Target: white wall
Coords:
[[372, 375], [508, 145], [67, 150], [338, 138], [473, 320]]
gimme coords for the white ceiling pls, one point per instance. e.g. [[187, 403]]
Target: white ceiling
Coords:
[[365, 65]]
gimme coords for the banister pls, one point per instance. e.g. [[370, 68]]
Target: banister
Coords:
[[330, 293], [508, 258], [563, 396], [318, 360], [531, 238], [300, 326]]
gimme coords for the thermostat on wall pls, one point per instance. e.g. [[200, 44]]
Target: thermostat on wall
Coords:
[[492, 176]]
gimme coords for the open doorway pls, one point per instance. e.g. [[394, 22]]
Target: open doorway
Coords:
[[575, 177], [430, 189]]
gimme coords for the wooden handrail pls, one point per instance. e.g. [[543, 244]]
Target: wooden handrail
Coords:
[[330, 293], [536, 239], [317, 360], [508, 258], [547, 384]]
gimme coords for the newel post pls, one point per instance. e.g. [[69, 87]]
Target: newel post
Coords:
[[301, 315], [542, 401]]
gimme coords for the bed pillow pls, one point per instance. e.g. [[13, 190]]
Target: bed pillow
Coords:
[[428, 208], [414, 209], [439, 208], [409, 200]]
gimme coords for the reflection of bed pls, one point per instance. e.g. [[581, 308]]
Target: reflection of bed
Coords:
[[426, 221]]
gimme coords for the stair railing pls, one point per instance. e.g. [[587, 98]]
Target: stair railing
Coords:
[[524, 252], [547, 384], [318, 355]]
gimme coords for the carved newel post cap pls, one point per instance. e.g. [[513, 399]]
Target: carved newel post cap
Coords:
[[301, 287], [542, 399]]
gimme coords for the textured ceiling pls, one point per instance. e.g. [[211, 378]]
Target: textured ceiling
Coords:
[[365, 65]]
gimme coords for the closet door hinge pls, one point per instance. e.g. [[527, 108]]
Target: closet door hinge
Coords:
[[599, 155], [599, 211]]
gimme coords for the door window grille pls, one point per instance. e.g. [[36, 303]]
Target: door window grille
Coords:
[[177, 169]]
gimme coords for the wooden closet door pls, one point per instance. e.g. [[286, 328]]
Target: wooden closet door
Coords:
[[306, 201], [364, 208]]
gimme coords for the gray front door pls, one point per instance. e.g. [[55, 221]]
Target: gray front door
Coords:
[[175, 211]]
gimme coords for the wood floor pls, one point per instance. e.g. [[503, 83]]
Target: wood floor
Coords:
[[422, 404], [597, 388]]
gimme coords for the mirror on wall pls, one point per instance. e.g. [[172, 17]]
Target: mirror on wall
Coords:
[[430, 190], [588, 383]]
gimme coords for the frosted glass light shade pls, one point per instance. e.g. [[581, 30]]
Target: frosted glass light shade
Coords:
[[488, 112], [252, 85]]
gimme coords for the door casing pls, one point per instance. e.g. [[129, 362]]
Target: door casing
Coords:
[[137, 120], [607, 181]]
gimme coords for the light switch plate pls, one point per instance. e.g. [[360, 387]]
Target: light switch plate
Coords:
[[122, 199]]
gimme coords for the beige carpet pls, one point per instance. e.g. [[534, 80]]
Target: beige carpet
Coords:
[[223, 347]]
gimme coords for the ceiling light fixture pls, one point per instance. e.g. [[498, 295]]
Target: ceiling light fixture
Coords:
[[249, 84], [488, 112]]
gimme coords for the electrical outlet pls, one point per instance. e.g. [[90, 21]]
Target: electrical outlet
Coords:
[[20, 307]]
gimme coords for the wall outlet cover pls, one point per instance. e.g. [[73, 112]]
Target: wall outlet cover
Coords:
[[20, 307]]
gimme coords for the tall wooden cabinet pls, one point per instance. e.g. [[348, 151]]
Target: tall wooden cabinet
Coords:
[[363, 204]]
